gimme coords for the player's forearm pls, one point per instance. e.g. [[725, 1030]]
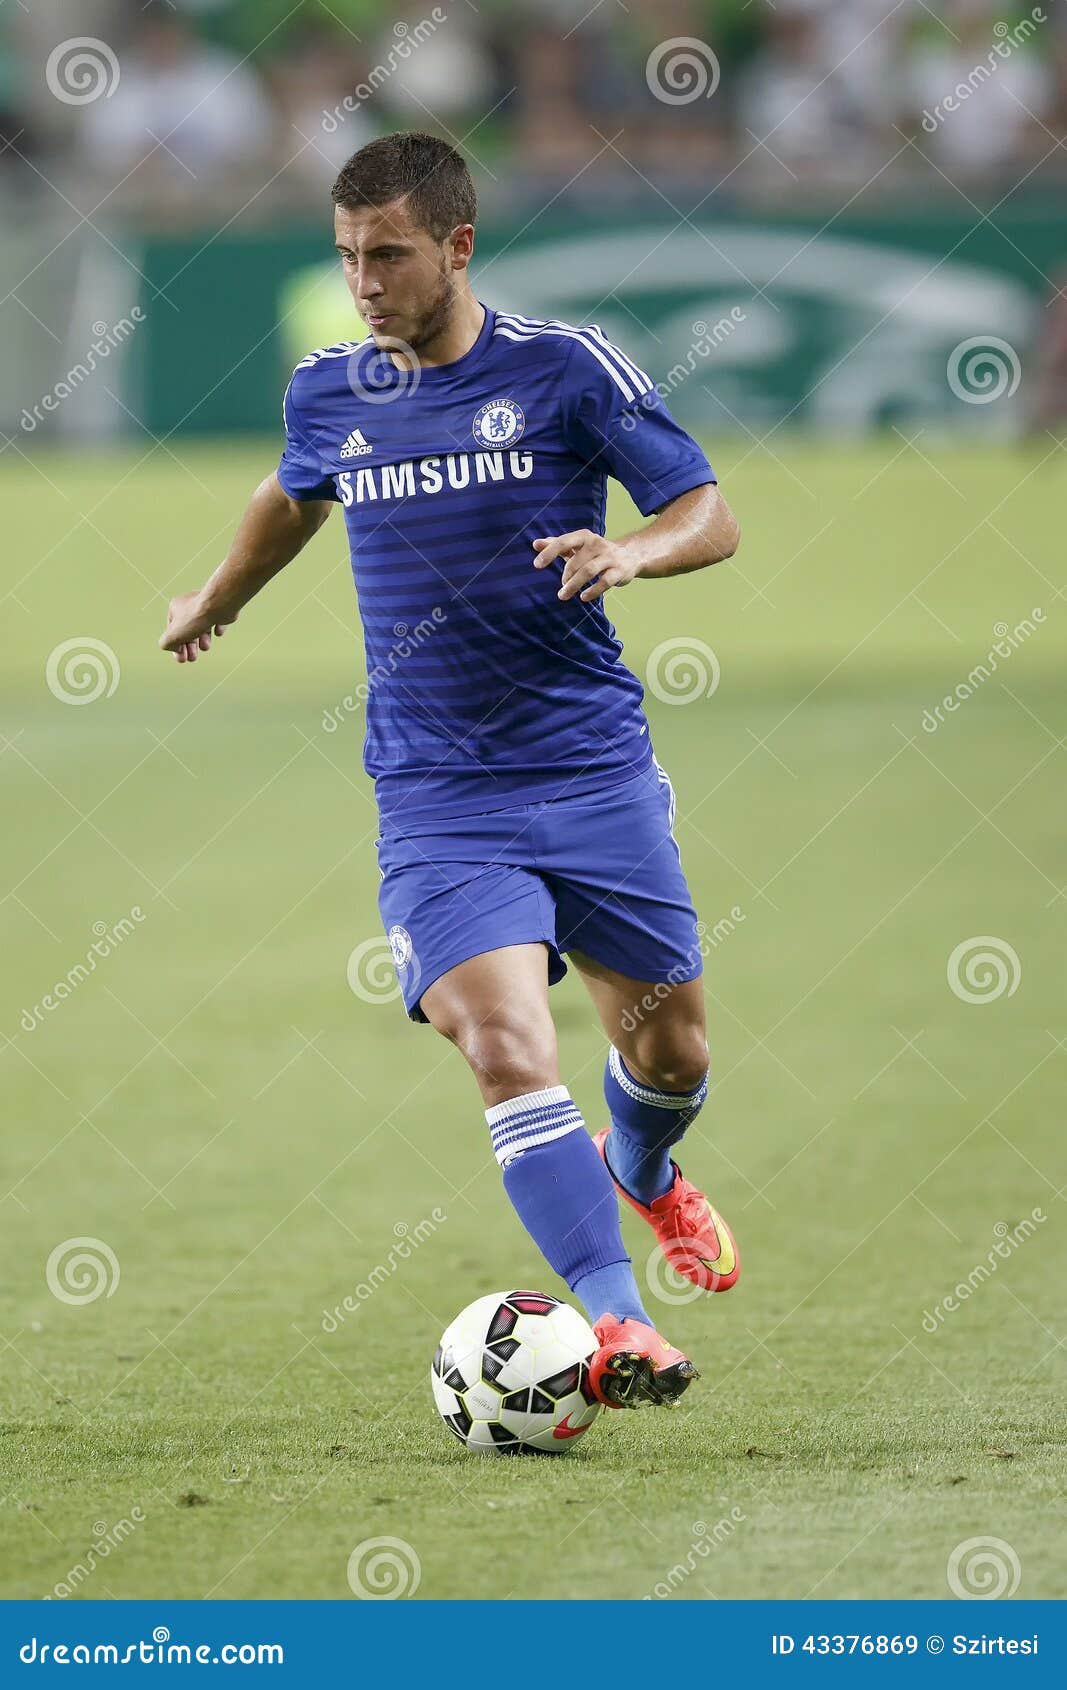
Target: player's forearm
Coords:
[[693, 531], [272, 531]]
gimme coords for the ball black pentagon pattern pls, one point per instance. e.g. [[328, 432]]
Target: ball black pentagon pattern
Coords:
[[459, 1423], [532, 1302], [561, 1384], [501, 1324], [500, 1435], [444, 1365]]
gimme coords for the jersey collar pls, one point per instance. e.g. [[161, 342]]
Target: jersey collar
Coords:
[[460, 366]]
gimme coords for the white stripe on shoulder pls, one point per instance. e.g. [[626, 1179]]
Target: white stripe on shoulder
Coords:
[[517, 318], [624, 358], [592, 337], [593, 330], [642, 381], [562, 331], [341, 349]]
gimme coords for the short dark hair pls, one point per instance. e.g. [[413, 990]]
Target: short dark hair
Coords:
[[427, 172]]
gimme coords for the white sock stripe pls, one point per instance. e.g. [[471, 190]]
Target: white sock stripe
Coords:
[[646, 1094], [528, 1100], [523, 1129], [550, 1111], [504, 1152], [535, 1117]]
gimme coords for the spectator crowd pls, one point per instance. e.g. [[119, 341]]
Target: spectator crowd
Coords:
[[181, 109]]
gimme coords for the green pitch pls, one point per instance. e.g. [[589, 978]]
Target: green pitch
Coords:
[[254, 1141]]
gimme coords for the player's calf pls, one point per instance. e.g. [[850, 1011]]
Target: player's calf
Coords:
[[495, 1008], [646, 1122]]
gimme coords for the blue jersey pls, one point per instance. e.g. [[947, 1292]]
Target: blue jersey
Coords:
[[485, 690]]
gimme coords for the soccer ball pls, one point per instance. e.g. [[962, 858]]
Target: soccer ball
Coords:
[[511, 1373]]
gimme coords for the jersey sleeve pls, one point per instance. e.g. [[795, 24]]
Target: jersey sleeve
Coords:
[[300, 471], [614, 416]]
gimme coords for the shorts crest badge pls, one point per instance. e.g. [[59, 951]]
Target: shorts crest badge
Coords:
[[401, 946]]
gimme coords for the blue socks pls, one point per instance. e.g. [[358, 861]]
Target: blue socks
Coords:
[[645, 1123], [562, 1192], [563, 1195], [611, 1289]]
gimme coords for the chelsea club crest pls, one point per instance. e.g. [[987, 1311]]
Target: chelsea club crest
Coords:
[[401, 947], [500, 423]]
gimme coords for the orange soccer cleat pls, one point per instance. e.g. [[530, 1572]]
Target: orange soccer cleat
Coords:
[[634, 1366], [695, 1240]]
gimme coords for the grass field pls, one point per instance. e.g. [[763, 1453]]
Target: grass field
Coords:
[[250, 1138]]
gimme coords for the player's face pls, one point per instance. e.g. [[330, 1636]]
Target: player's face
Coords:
[[401, 278]]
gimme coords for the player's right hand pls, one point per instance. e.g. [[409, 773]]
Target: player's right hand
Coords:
[[190, 627]]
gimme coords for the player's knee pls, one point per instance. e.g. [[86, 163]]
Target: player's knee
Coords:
[[673, 1059], [509, 1053]]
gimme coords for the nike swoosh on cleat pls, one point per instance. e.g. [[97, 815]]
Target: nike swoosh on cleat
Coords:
[[566, 1430], [725, 1261]]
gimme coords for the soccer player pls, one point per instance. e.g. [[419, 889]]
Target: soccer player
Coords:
[[523, 814]]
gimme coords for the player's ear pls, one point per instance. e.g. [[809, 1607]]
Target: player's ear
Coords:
[[461, 241]]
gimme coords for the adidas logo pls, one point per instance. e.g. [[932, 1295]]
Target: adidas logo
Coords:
[[356, 445]]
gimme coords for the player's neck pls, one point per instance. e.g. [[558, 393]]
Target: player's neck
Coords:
[[458, 335]]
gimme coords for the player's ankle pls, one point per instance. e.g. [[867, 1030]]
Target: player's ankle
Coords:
[[611, 1291], [643, 1173]]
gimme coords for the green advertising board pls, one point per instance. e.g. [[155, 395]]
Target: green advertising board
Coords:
[[746, 322]]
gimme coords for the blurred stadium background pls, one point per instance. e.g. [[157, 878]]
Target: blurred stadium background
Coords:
[[834, 231], [806, 163]]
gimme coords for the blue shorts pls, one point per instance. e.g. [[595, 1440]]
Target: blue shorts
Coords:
[[598, 874]]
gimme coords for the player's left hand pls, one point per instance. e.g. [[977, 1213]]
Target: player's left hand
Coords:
[[591, 564]]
